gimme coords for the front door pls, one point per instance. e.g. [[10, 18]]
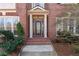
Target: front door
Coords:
[[38, 28]]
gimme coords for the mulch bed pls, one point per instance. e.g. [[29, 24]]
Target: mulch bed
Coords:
[[63, 49]]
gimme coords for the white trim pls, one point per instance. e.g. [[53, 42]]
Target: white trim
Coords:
[[31, 29], [3, 13], [39, 8], [68, 24], [62, 23], [45, 26], [74, 27]]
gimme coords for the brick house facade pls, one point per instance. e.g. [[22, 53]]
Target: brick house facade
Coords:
[[21, 11]]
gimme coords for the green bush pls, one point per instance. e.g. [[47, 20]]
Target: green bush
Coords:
[[12, 44], [63, 33], [20, 30], [8, 35], [67, 37], [3, 53]]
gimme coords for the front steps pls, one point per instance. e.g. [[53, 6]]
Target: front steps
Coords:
[[38, 47], [37, 41], [38, 50]]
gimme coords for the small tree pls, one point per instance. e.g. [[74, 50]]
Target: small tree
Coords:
[[20, 30]]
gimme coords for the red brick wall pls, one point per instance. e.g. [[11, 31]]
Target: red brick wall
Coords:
[[0, 14], [11, 14], [54, 11], [22, 9]]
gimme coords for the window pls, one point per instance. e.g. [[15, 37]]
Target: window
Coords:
[[77, 26], [9, 23], [37, 4], [71, 25], [68, 24]]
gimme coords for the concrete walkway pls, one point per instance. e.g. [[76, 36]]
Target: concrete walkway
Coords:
[[38, 50]]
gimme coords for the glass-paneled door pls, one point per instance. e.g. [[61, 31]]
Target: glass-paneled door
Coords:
[[38, 28]]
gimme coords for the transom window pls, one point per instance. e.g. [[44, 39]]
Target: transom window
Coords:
[[68, 24], [37, 4], [9, 23]]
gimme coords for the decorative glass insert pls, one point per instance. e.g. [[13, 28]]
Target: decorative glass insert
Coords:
[[38, 4], [38, 27]]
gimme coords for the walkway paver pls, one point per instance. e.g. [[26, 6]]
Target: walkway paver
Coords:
[[38, 50]]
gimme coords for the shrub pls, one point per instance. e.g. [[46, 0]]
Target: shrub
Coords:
[[63, 33], [3, 53], [8, 35], [20, 30], [67, 37], [12, 44], [11, 41]]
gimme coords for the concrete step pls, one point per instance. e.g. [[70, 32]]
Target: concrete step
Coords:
[[38, 50], [37, 43]]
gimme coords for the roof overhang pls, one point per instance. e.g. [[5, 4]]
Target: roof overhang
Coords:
[[38, 11]]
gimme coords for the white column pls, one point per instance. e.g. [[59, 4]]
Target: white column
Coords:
[[74, 26], [31, 29], [68, 24], [45, 26], [61, 24]]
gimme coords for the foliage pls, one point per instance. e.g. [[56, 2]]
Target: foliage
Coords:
[[8, 35], [20, 30], [67, 37], [11, 41], [71, 9], [12, 44], [64, 33], [3, 53]]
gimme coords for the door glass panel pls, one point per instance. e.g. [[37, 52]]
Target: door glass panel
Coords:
[[38, 27]]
